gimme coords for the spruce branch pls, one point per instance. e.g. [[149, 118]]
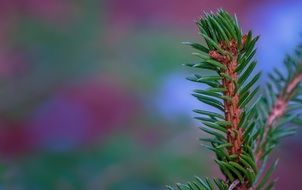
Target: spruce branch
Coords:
[[278, 110], [229, 57], [280, 105], [243, 129]]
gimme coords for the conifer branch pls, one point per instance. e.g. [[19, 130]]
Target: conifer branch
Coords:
[[243, 129], [280, 104], [278, 110]]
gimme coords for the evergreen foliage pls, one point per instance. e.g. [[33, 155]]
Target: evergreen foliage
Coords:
[[246, 123]]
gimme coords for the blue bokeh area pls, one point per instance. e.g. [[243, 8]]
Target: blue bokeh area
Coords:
[[280, 28]]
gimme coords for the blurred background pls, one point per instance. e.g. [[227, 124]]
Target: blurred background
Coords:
[[93, 95]]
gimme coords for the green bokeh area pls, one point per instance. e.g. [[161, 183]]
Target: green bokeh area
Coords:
[[83, 48]]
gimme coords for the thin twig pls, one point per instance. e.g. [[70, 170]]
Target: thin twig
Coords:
[[277, 112]]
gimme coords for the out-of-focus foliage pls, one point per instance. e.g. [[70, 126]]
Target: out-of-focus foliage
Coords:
[[77, 107]]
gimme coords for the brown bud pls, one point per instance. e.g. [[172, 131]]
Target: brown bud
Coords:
[[243, 40]]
